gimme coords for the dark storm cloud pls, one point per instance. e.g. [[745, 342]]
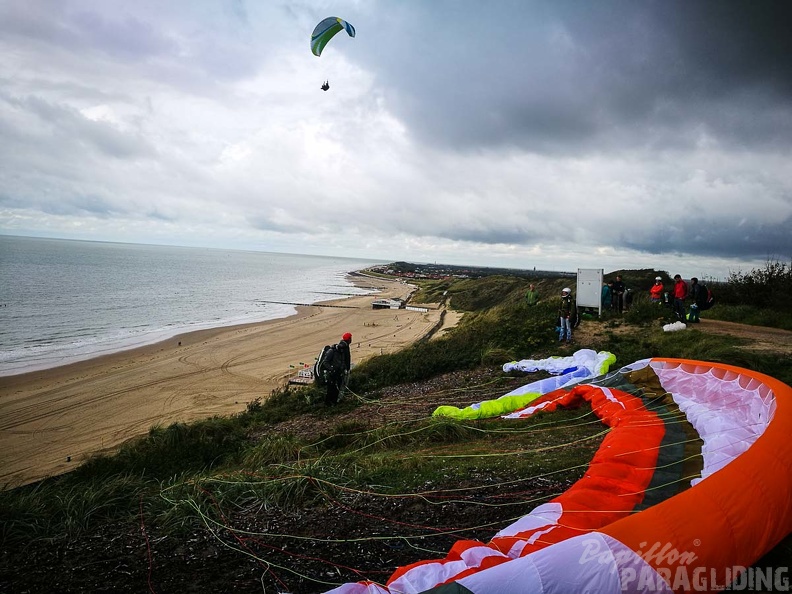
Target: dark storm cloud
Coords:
[[560, 76], [461, 128], [741, 239], [733, 44]]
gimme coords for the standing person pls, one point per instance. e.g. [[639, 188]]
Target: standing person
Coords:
[[532, 295], [656, 292], [564, 314], [607, 296], [618, 294], [680, 294], [336, 369], [698, 294]]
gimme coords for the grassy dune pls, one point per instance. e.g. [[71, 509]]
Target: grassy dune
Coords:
[[291, 496]]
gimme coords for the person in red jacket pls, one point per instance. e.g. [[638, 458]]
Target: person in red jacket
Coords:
[[680, 294], [656, 292]]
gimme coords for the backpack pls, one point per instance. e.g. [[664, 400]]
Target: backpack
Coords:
[[325, 362]]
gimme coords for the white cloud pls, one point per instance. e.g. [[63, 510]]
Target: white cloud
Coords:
[[518, 136]]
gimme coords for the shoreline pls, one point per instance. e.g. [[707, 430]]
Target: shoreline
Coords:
[[181, 338], [185, 338], [165, 337], [52, 419]]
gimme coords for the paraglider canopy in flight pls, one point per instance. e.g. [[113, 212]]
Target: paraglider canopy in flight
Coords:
[[326, 30]]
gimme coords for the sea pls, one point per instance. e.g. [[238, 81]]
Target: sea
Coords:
[[63, 301]]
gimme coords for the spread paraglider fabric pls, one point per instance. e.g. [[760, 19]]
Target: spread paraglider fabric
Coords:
[[594, 537], [596, 363], [582, 365], [326, 30]]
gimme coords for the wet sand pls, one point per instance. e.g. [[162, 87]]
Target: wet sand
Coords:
[[51, 420]]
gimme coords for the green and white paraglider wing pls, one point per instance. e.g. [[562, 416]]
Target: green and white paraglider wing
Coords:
[[326, 30]]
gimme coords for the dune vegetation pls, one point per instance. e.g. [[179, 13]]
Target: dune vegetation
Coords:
[[291, 496]]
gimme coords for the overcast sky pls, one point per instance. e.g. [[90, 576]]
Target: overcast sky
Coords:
[[556, 134]]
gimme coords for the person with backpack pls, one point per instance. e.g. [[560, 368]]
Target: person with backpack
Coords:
[[332, 368], [701, 297]]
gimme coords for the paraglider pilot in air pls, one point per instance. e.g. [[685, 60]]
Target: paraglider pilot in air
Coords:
[[324, 32]]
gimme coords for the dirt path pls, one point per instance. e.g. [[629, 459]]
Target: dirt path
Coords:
[[759, 338], [762, 338]]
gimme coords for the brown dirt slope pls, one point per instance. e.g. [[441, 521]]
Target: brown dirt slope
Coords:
[[758, 338], [761, 338]]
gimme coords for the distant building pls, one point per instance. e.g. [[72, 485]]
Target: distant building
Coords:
[[387, 304]]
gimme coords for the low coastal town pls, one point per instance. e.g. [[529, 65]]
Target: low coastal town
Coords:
[[409, 270]]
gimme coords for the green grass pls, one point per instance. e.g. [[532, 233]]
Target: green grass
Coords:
[[166, 451], [185, 473], [290, 473], [752, 315], [395, 459]]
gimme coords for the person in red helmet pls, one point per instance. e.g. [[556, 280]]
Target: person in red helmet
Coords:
[[336, 369]]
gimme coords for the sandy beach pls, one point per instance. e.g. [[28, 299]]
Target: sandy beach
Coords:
[[51, 420]]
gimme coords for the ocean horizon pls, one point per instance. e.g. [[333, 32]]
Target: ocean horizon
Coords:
[[65, 300]]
